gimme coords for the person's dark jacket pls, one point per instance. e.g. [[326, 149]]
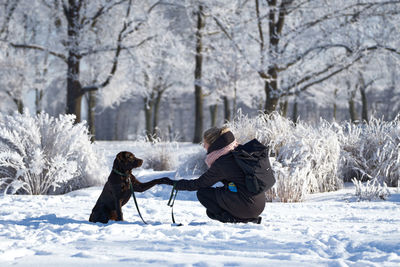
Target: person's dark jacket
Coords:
[[240, 204]]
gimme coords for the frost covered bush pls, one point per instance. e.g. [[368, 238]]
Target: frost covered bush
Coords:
[[42, 154], [372, 150], [160, 155], [317, 159], [306, 158], [194, 165], [246, 129], [370, 190]]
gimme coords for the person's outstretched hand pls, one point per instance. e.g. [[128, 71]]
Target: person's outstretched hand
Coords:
[[165, 180]]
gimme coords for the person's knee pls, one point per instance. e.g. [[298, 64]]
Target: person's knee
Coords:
[[201, 194]]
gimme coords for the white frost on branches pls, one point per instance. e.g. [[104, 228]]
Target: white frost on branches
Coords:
[[306, 158], [43, 154], [372, 150], [160, 155], [371, 190]]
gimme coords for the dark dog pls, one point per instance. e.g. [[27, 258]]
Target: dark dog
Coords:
[[116, 191]]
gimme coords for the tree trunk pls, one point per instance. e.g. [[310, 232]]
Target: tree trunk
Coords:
[[364, 101], [295, 114], [271, 88], [198, 92], [148, 115], [20, 105], [91, 115], [352, 110], [213, 113], [74, 88], [198, 129], [335, 105], [156, 112], [284, 107], [38, 100], [227, 111], [234, 104]]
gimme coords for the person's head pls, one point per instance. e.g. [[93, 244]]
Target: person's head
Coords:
[[212, 134]]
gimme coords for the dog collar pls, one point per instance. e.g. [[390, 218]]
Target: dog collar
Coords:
[[120, 173]]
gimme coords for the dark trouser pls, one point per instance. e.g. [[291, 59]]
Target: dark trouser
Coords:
[[208, 199]]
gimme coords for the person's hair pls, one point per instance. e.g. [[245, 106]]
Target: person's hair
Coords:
[[213, 133]]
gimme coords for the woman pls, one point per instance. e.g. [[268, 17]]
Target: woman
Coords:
[[233, 202]]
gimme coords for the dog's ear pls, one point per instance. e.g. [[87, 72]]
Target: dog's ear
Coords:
[[119, 161]]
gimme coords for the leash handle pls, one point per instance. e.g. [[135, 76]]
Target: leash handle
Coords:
[[171, 202], [172, 198], [134, 198]]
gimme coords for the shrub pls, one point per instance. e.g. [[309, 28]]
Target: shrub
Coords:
[[370, 190], [194, 165], [306, 158], [160, 155], [41, 155], [372, 151]]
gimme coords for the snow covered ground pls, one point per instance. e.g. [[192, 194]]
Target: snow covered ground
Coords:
[[329, 229]]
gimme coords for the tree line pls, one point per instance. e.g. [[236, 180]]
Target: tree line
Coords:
[[272, 51]]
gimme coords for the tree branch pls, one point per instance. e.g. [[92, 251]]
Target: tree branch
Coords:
[[342, 13], [101, 11], [320, 47], [122, 34], [260, 33], [328, 76], [37, 47], [7, 18], [309, 77], [112, 49], [219, 24]]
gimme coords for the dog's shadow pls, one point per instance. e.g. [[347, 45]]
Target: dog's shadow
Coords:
[[35, 222], [46, 219]]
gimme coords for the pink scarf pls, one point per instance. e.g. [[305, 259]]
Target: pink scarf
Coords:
[[213, 156]]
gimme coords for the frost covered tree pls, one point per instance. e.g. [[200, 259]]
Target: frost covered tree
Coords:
[[294, 45], [157, 74], [23, 71], [216, 71], [75, 24], [195, 10]]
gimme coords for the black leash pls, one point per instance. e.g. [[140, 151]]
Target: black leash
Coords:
[[171, 202], [134, 198], [133, 192]]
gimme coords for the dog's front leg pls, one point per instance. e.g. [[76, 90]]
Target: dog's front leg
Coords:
[[117, 193], [141, 187]]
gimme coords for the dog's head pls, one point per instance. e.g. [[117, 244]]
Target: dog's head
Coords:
[[126, 161]]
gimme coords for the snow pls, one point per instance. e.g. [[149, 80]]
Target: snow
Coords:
[[327, 229]]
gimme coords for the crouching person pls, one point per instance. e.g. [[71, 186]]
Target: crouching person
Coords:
[[233, 202]]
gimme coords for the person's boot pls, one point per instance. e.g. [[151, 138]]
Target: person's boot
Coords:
[[211, 215], [226, 217], [251, 220], [256, 220]]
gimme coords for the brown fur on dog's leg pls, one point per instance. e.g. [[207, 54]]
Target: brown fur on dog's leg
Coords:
[[113, 215]]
